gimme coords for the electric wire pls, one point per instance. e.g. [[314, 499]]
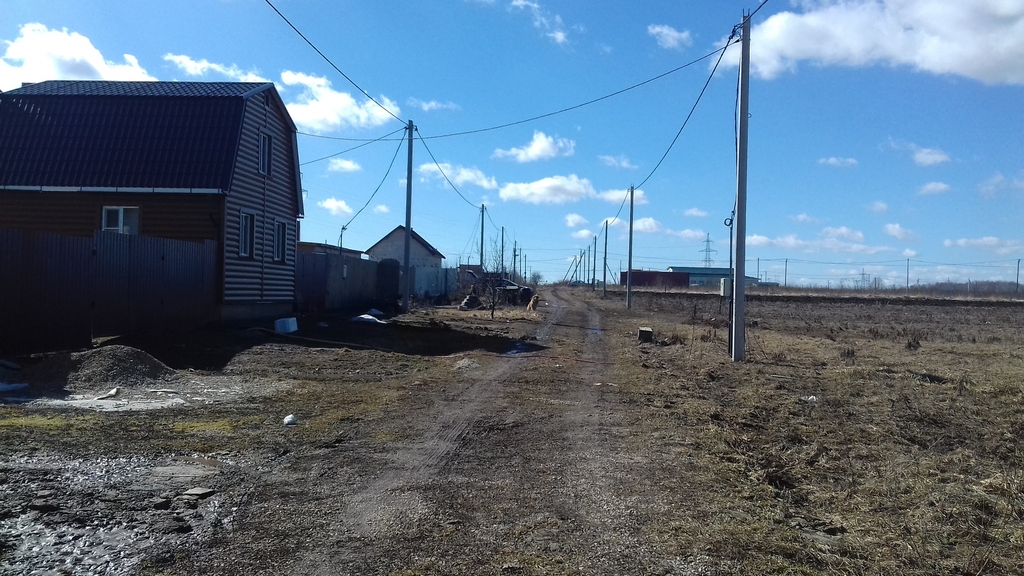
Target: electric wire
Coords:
[[382, 180], [328, 60], [346, 139], [721, 54], [439, 169], [582, 104], [365, 143]]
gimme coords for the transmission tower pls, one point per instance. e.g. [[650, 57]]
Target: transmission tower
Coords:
[[708, 251]]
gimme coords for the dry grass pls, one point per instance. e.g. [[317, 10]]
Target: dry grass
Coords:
[[848, 442]]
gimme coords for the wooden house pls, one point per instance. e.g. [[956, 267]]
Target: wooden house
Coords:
[[193, 161]]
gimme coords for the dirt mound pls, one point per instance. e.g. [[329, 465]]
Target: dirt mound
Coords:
[[104, 367]]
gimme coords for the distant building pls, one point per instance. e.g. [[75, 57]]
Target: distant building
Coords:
[[700, 276], [657, 278], [421, 253]]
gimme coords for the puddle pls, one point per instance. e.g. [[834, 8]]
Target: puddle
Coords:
[[523, 347]]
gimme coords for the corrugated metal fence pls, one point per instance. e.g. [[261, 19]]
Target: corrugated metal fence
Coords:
[[334, 282], [61, 291]]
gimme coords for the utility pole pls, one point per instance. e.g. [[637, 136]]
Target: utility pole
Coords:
[[481, 237], [785, 274], [593, 270], [502, 252], [341, 236], [1017, 289], [408, 224], [738, 325], [604, 269], [629, 257], [908, 275], [514, 260]]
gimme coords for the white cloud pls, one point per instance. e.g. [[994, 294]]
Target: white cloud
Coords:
[[381, 209], [574, 220], [989, 243], [670, 38], [838, 162], [429, 106], [933, 188], [843, 233], [878, 207], [583, 234], [551, 25], [616, 162], [202, 67], [980, 39], [829, 242], [613, 222], [550, 190], [342, 165], [691, 235], [335, 206], [992, 186], [639, 197], [928, 156], [320, 108], [541, 147], [908, 253], [562, 189], [459, 175], [648, 225], [696, 213], [898, 232], [802, 218], [40, 54]]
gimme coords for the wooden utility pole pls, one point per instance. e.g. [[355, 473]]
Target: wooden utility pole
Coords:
[[481, 237], [739, 280], [502, 252], [408, 225], [629, 257], [604, 269]]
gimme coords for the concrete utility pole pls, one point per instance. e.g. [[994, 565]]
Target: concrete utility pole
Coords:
[[604, 269], [739, 280], [481, 237], [1017, 289], [514, 260], [408, 225], [503, 252], [629, 257]]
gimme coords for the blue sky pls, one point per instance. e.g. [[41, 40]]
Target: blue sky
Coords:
[[881, 131]]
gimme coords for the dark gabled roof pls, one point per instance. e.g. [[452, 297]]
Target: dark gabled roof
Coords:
[[109, 88], [122, 134], [400, 228]]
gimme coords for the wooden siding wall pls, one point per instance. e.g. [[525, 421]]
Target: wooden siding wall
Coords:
[[194, 217], [59, 291], [259, 278]]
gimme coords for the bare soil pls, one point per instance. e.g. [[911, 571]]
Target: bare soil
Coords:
[[860, 436]]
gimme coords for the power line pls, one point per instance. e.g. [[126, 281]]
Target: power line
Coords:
[[328, 60], [365, 143], [311, 135], [441, 170], [721, 54], [378, 187], [581, 105]]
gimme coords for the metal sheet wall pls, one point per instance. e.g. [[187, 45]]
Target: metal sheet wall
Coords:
[[61, 291]]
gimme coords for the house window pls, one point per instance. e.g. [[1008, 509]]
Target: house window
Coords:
[[266, 153], [121, 219], [280, 240], [246, 235]]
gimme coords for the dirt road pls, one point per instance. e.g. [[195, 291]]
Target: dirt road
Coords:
[[519, 464]]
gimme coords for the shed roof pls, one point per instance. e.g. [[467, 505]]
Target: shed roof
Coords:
[[67, 133]]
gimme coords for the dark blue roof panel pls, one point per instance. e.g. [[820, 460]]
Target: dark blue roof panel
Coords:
[[122, 134], [110, 88]]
